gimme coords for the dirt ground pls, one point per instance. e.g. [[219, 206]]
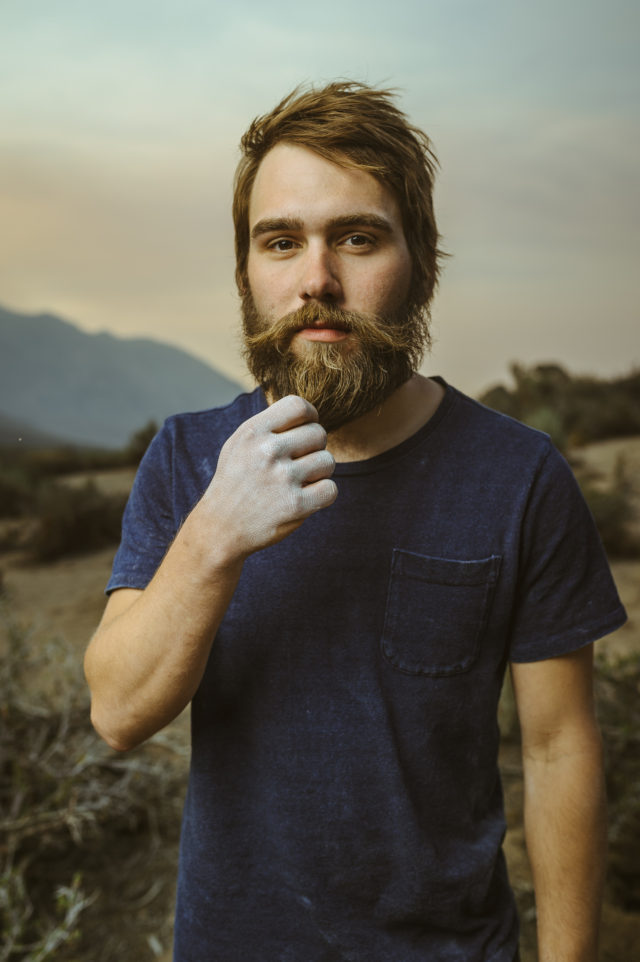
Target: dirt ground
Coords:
[[66, 599]]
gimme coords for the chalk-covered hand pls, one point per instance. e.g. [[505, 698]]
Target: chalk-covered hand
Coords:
[[273, 472]]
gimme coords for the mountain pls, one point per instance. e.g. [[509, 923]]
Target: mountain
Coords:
[[95, 388], [18, 433]]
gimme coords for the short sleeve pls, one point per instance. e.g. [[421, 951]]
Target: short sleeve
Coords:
[[566, 597], [148, 523]]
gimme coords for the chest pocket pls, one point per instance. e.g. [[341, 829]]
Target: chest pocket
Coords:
[[436, 612]]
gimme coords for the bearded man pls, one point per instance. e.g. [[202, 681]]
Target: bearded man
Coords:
[[335, 571]]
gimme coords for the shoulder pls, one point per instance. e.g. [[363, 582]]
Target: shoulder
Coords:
[[494, 442], [494, 423]]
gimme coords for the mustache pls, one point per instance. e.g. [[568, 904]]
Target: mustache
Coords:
[[381, 333]]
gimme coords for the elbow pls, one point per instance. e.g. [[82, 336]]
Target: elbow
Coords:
[[109, 722], [115, 736]]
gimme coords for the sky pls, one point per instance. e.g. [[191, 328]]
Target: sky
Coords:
[[119, 131]]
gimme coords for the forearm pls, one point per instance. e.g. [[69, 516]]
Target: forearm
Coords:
[[144, 665], [565, 824]]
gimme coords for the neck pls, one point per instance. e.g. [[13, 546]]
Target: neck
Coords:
[[402, 414]]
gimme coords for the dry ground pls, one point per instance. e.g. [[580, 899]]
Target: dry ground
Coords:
[[66, 599]]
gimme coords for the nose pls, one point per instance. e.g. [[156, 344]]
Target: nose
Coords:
[[319, 278]]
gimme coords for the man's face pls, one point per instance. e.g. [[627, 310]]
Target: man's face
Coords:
[[319, 232], [329, 273]]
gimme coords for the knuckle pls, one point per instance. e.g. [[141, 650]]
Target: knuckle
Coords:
[[298, 407], [331, 461], [246, 433], [270, 446], [324, 462], [320, 434]]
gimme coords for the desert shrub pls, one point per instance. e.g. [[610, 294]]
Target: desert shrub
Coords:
[[618, 693], [72, 520], [87, 834]]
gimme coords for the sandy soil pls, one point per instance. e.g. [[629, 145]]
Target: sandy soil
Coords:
[[66, 599]]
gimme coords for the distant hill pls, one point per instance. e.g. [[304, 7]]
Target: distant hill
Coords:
[[18, 433], [94, 388]]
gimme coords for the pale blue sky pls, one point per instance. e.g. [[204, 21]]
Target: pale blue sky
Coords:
[[119, 125]]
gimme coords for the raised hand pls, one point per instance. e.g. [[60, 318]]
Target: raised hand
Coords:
[[273, 472]]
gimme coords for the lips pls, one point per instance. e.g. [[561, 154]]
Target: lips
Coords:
[[326, 326], [323, 333]]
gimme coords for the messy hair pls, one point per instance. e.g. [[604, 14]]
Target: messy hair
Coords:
[[353, 125]]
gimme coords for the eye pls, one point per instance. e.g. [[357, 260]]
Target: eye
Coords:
[[359, 240], [281, 245]]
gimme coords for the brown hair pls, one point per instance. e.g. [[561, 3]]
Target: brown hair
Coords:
[[353, 125]]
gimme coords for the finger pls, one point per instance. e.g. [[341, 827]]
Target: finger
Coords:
[[313, 497], [290, 444], [312, 467], [288, 412], [304, 439]]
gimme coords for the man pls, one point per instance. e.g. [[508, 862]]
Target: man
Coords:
[[335, 570]]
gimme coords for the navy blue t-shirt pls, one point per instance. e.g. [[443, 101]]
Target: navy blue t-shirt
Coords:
[[344, 801]]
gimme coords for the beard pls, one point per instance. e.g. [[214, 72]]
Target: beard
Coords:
[[345, 379]]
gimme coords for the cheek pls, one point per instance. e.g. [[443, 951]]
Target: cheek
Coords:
[[261, 292], [391, 286], [253, 277], [269, 289]]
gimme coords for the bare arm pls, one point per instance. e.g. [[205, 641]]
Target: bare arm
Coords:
[[565, 815], [148, 655]]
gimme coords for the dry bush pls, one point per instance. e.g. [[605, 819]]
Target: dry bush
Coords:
[[27, 476], [88, 837], [73, 520], [62, 520]]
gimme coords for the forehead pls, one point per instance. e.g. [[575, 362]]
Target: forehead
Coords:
[[293, 181]]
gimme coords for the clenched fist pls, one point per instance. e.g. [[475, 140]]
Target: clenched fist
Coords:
[[273, 472]]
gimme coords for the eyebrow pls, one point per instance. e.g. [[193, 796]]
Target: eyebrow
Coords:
[[273, 225]]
